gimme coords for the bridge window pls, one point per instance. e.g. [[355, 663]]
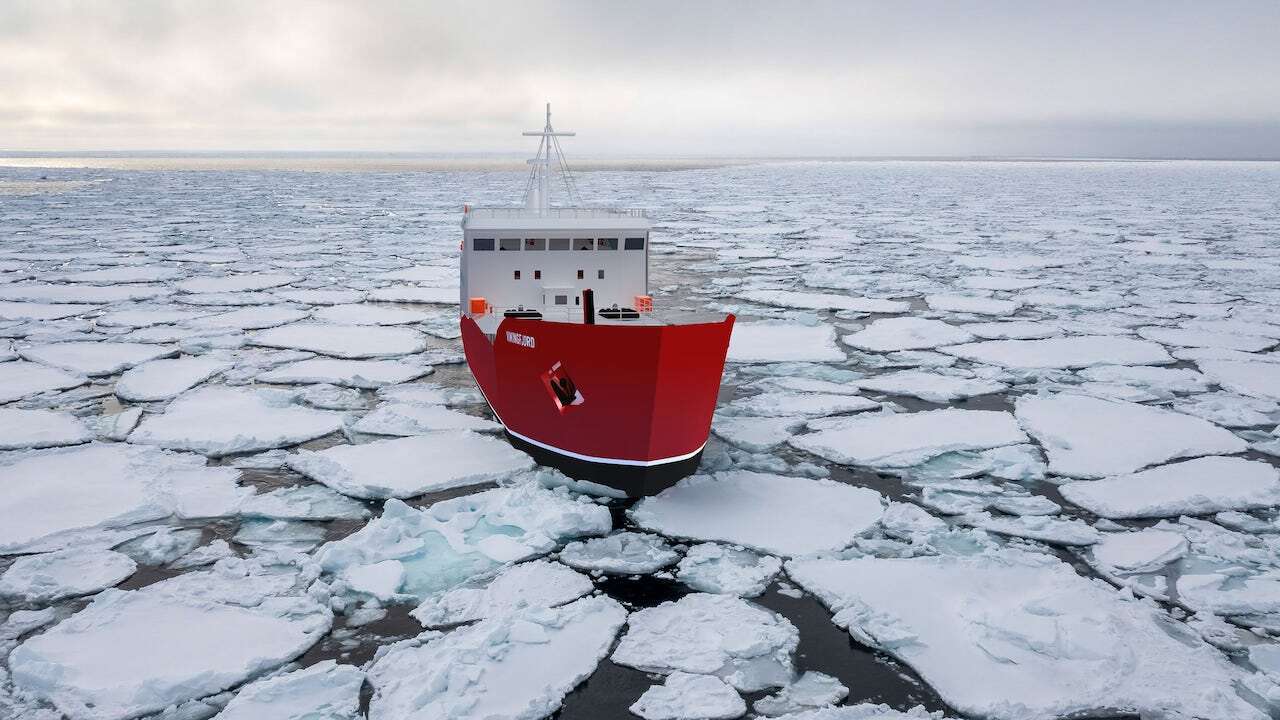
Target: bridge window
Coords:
[[599, 274], [509, 244], [562, 299], [579, 274], [635, 244], [558, 244], [583, 244], [537, 274], [535, 244], [515, 275], [482, 243], [607, 244]]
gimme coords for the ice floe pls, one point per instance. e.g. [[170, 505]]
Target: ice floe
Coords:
[[760, 342], [772, 513], [20, 379], [1068, 352], [411, 466], [324, 691], [971, 304], [219, 421], [624, 553], [715, 568], [94, 358], [343, 341], [166, 379], [757, 434], [1011, 635], [824, 301], [400, 418], [1056, 531], [810, 690], [253, 318], [931, 386], [685, 696], [369, 315], [793, 404], [1183, 337], [905, 439], [514, 667], [40, 429], [52, 576], [740, 642], [412, 294], [365, 374], [908, 333], [1193, 487], [1140, 551], [42, 311], [1091, 438], [1256, 379], [536, 584], [236, 283]]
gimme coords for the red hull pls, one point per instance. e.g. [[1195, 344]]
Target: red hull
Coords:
[[626, 405]]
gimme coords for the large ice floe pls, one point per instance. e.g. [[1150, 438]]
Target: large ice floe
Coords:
[[624, 553], [366, 374], [517, 666], [685, 696], [324, 691], [451, 542], [906, 439], [40, 429], [1068, 352], [535, 584], [1256, 379], [20, 379], [783, 342], [931, 386], [1193, 487], [1012, 635], [94, 358], [728, 637], [1091, 438], [771, 513], [52, 576], [824, 301], [165, 379], [908, 333], [716, 568], [130, 653], [411, 418], [343, 341], [410, 466], [221, 421]]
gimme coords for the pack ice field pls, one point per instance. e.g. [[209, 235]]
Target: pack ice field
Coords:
[[994, 440]]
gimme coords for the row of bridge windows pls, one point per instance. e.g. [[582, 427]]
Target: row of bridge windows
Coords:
[[631, 243], [537, 275]]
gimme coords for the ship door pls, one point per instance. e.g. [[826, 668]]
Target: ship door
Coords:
[[560, 297]]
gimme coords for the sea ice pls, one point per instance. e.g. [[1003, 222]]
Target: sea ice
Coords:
[[715, 568], [971, 304], [145, 317], [412, 294], [94, 358], [930, 386], [1230, 410], [324, 691], [114, 276], [756, 434], [512, 667], [52, 576], [824, 301], [1194, 487], [906, 439], [685, 696], [252, 318], [343, 341], [1141, 551], [1067, 352], [1255, 379], [411, 466], [41, 311], [165, 379], [40, 429], [369, 315], [810, 690], [1091, 438], [771, 513], [1012, 330], [1055, 531], [624, 553], [1169, 380], [20, 379], [1011, 635], [303, 502], [536, 584], [908, 333], [398, 418], [221, 421], [721, 635], [1183, 337], [367, 374], [761, 342], [236, 283], [780, 403]]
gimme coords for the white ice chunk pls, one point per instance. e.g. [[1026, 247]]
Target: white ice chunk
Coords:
[[933, 387], [512, 667], [624, 553], [684, 696], [41, 311], [94, 358], [369, 315], [971, 304], [412, 294], [771, 513], [411, 466], [906, 521], [1255, 379], [303, 502], [756, 434], [348, 373], [538, 584], [236, 283], [1056, 531], [398, 418], [721, 635], [715, 568], [1011, 635], [19, 379], [1182, 337], [762, 342], [343, 341], [1140, 551], [1229, 410], [112, 276], [906, 439], [143, 317], [824, 301], [908, 333], [777, 403], [251, 318], [162, 546], [66, 573], [811, 690], [1194, 487], [1012, 330], [40, 429], [324, 691], [221, 421], [165, 379], [1091, 438], [1174, 380], [1068, 352]]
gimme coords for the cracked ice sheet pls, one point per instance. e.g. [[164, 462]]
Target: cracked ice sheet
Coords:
[[823, 301], [1011, 635], [780, 403], [532, 584], [457, 540], [1194, 487], [350, 342], [94, 358], [721, 635], [411, 466], [220, 421], [20, 379], [971, 304], [365, 374], [624, 553], [1063, 353], [130, 653], [20, 429], [685, 696], [1089, 437], [761, 342], [906, 439], [517, 667], [1256, 379], [931, 386], [48, 494], [775, 514], [324, 691], [52, 576], [908, 333], [165, 379], [715, 568], [402, 418]]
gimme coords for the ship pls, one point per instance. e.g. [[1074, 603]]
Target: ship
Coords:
[[561, 333]]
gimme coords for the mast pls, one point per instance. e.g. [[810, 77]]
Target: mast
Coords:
[[537, 194]]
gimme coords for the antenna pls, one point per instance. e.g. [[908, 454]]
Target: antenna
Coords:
[[537, 193]]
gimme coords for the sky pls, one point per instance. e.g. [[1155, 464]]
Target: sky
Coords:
[[654, 78]]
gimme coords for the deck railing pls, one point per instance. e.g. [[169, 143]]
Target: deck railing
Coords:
[[514, 213]]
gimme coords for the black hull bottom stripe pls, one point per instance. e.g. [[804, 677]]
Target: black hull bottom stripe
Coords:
[[634, 480]]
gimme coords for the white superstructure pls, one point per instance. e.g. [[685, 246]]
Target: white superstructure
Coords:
[[540, 258]]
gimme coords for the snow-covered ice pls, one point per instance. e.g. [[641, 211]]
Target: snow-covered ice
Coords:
[[366, 374], [905, 439], [219, 421], [810, 690], [716, 568], [908, 333], [165, 379], [972, 304], [399, 418], [761, 342], [369, 315], [1193, 487], [772, 513], [324, 691], [65, 573], [1256, 379], [931, 386], [780, 403], [1140, 551], [1068, 352], [411, 466], [40, 429], [686, 696], [757, 434], [624, 553], [352, 342], [824, 301], [536, 584], [20, 379], [94, 358]]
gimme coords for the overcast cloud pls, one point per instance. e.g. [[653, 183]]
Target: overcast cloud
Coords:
[[745, 78]]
